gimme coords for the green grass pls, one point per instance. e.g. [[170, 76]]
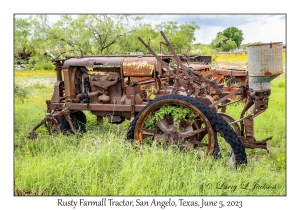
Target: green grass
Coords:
[[102, 162]]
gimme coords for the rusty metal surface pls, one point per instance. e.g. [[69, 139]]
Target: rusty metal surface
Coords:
[[199, 59], [265, 59], [92, 61], [250, 142], [197, 67], [139, 66], [51, 122], [98, 107], [265, 62], [159, 58]]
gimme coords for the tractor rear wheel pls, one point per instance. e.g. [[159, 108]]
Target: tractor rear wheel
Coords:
[[199, 131]]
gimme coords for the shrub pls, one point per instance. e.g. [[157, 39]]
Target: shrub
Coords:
[[20, 92], [44, 66], [40, 63]]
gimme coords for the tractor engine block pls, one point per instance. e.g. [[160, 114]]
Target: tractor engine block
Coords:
[[105, 86]]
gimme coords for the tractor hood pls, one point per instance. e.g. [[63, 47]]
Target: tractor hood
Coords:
[[92, 61]]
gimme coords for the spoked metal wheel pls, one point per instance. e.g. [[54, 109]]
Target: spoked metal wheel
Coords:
[[189, 133], [201, 130]]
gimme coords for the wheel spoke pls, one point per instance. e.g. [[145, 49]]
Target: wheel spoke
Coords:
[[194, 117], [201, 144], [186, 132], [201, 130], [166, 127], [149, 132]]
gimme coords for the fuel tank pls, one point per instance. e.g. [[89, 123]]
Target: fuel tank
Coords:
[[139, 66]]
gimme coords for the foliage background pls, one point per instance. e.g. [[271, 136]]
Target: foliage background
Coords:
[[108, 35]]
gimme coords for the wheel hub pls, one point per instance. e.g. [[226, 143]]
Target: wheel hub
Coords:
[[174, 132]]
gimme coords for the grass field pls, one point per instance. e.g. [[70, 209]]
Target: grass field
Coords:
[[102, 162], [236, 58]]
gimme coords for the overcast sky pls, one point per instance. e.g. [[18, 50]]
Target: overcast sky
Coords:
[[263, 28]]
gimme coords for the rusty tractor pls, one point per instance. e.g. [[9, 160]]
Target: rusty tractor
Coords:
[[169, 99]]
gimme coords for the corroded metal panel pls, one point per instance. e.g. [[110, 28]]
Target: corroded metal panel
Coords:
[[197, 67], [264, 64], [139, 66], [265, 59], [92, 61]]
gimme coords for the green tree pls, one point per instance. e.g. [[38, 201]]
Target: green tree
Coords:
[[180, 36], [107, 30], [130, 42], [202, 49], [228, 45], [84, 34], [101, 34], [23, 37], [234, 34], [49, 38], [223, 43]]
